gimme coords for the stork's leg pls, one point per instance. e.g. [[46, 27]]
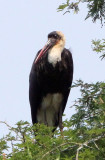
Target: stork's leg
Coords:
[[60, 121], [45, 118]]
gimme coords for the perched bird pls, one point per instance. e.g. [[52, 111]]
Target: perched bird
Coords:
[[50, 81]]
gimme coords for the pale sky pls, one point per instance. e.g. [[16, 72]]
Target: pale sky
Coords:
[[24, 26]]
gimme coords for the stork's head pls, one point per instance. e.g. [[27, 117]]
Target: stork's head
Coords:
[[55, 39]]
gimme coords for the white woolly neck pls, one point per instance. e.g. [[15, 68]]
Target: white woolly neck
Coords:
[[54, 54]]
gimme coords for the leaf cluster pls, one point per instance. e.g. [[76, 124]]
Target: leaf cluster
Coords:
[[69, 6], [99, 47], [96, 8]]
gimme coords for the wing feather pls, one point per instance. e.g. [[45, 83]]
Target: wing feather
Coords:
[[68, 63]]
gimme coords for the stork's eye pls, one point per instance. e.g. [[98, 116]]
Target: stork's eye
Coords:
[[55, 36]]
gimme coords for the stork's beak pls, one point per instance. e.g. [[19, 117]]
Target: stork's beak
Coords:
[[47, 46]]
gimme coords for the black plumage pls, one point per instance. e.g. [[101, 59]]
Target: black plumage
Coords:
[[49, 85]]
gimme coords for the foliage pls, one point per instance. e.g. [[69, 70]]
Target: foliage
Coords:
[[69, 6], [96, 8], [99, 47], [83, 137]]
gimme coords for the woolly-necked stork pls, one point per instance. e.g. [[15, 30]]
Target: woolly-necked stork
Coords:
[[50, 81]]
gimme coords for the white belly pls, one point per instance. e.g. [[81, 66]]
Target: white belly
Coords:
[[48, 112]]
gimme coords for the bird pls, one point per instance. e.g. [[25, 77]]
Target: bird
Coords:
[[50, 81]]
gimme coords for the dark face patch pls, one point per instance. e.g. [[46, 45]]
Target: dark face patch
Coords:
[[54, 35]]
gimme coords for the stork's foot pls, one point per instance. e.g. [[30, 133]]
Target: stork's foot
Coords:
[[46, 123], [61, 125], [60, 122], [61, 129], [45, 118]]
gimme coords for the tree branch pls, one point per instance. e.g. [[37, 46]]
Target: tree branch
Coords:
[[58, 147]]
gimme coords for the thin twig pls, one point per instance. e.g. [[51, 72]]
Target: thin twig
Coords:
[[74, 104], [6, 124], [78, 151], [96, 146], [86, 144]]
